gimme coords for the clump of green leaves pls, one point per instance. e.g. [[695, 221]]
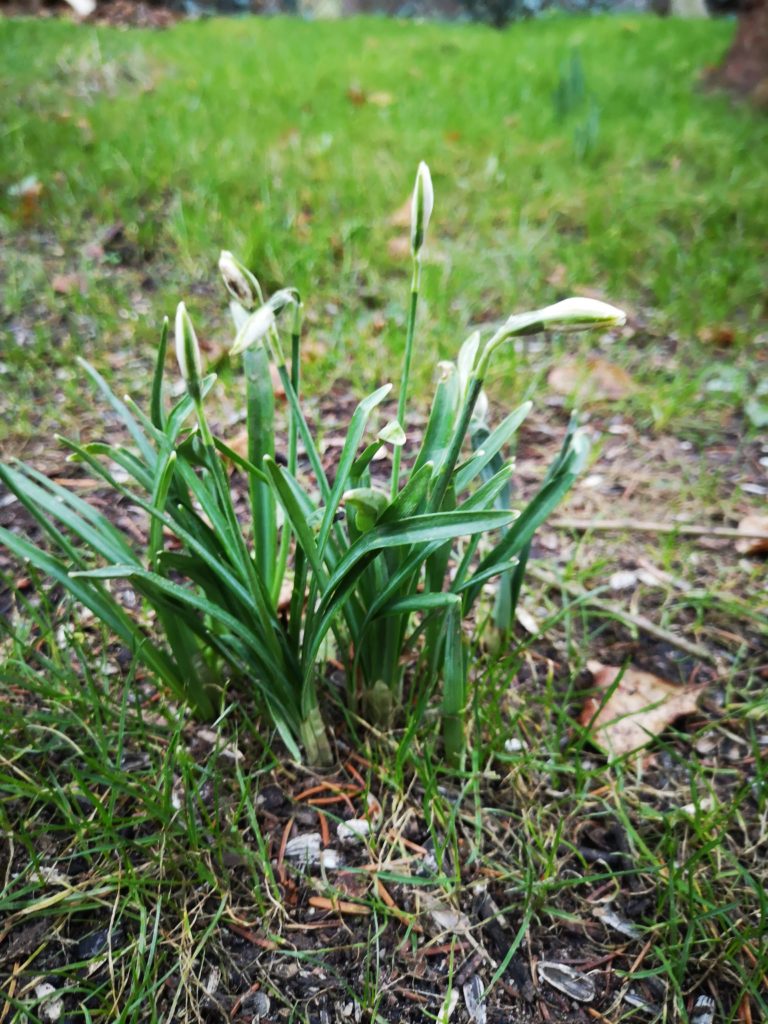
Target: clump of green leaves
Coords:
[[389, 572]]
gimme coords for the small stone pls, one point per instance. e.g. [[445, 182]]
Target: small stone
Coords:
[[624, 579], [353, 831], [304, 848], [50, 1005], [259, 1005]]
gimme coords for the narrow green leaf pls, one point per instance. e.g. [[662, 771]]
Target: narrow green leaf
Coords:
[[491, 446], [156, 403], [442, 419], [122, 411], [163, 479], [102, 605], [260, 415], [352, 442]]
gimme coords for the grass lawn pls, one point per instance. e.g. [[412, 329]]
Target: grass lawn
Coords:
[[151, 869]]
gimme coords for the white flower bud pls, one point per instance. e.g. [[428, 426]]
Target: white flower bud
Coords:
[[255, 329], [569, 315], [580, 446], [240, 282], [188, 352], [421, 207], [480, 412]]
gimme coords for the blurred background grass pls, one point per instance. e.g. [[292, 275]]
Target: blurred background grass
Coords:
[[568, 154]]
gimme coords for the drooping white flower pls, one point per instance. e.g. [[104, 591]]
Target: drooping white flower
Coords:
[[421, 207], [240, 282], [254, 329], [188, 351]]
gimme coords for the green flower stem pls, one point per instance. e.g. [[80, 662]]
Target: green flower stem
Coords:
[[454, 685], [409, 334], [296, 382], [293, 443], [260, 417]]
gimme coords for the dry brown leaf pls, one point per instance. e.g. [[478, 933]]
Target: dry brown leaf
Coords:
[[29, 192], [356, 94], [592, 379], [399, 248], [640, 707], [722, 336], [753, 545]]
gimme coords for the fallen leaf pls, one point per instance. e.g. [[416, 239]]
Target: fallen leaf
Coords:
[[399, 248], [593, 379], [445, 917], [29, 192], [529, 622], [753, 545], [356, 94], [721, 337], [640, 707]]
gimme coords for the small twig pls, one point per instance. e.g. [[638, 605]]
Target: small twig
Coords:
[[339, 906], [281, 851], [641, 526], [325, 832], [401, 915], [324, 787], [250, 936], [628, 618]]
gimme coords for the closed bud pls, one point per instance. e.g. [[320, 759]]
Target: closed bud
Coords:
[[569, 315], [421, 207], [240, 282], [480, 411], [580, 447], [188, 352]]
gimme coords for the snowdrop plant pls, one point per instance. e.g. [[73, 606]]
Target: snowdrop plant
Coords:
[[389, 570]]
